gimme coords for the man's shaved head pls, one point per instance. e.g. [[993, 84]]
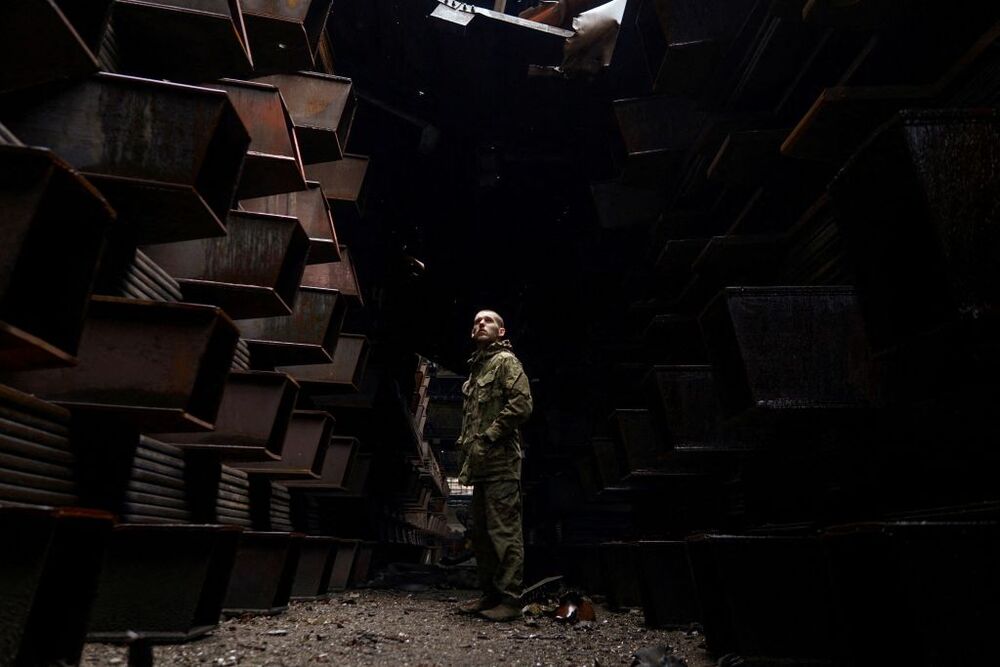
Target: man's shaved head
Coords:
[[487, 328], [494, 314]]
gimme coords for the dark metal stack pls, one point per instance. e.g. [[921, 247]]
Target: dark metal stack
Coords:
[[48, 570], [145, 279], [171, 159], [37, 463], [155, 490], [811, 307]]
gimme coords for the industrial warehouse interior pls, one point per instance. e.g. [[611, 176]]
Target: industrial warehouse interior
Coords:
[[746, 253]]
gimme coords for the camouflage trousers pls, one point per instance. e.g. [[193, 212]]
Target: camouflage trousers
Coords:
[[497, 537]]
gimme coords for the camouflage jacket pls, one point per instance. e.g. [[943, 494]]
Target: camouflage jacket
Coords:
[[497, 401]]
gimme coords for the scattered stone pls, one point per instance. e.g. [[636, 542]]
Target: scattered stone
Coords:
[[378, 631]]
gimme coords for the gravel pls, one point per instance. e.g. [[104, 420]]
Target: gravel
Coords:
[[378, 627]]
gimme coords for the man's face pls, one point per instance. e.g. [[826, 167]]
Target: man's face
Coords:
[[486, 328]]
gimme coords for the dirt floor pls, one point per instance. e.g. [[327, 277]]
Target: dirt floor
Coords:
[[390, 627]]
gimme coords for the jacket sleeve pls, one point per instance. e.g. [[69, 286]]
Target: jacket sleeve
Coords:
[[518, 405]]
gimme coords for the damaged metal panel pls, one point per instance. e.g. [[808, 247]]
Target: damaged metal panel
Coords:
[[166, 156], [312, 209], [322, 107], [252, 271], [54, 221], [158, 366]]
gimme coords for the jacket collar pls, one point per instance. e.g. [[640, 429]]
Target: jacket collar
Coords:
[[489, 351]]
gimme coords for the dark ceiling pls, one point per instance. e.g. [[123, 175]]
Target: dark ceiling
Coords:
[[482, 174]]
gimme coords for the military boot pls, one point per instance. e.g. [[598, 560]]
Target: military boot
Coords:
[[481, 603], [508, 610]]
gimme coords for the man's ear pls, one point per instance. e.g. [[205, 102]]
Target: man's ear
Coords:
[[501, 333]]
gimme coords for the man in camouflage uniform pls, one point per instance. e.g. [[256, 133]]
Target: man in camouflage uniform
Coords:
[[497, 401]]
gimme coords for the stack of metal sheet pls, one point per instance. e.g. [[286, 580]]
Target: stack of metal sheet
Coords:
[[241, 358], [145, 279], [155, 491], [36, 460], [270, 504], [233, 498]]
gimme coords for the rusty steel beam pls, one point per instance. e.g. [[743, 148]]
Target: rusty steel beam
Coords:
[[308, 335], [263, 573], [54, 221], [341, 276], [273, 163], [748, 585], [344, 374], [337, 462], [343, 565], [165, 582], [49, 569], [167, 156], [181, 40], [788, 350], [925, 183], [343, 183], [617, 561], [666, 586], [253, 271], [322, 107], [158, 366], [28, 61], [313, 212], [254, 415], [683, 405], [302, 455], [316, 559], [285, 35]]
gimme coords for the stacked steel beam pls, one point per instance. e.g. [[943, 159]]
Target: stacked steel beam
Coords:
[[807, 328], [157, 241]]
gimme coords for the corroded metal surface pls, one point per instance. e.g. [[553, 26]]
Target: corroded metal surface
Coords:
[[253, 271], [303, 451], [322, 107], [308, 335], [181, 40], [156, 365], [54, 221], [166, 156], [254, 415]]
